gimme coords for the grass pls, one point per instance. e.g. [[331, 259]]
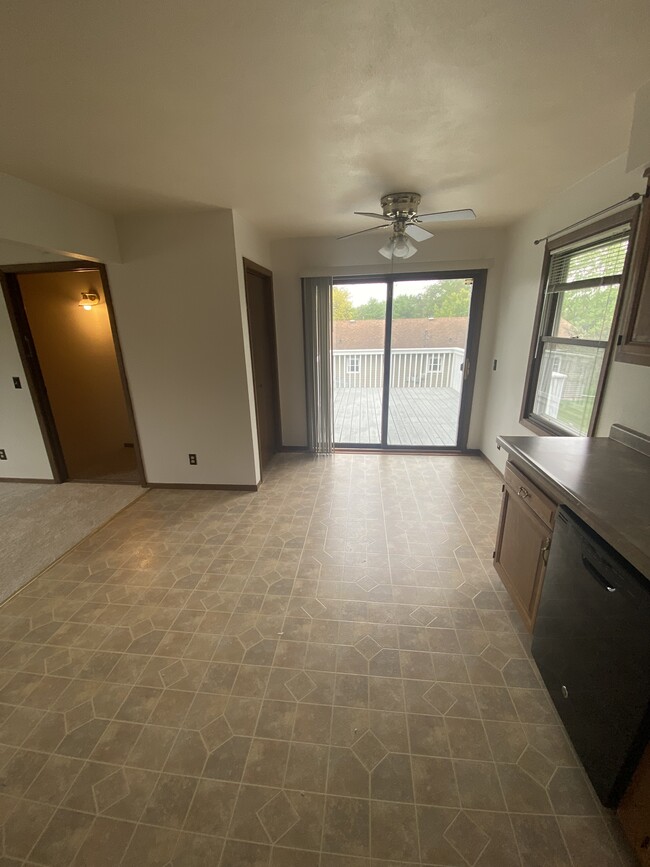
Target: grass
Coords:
[[575, 414]]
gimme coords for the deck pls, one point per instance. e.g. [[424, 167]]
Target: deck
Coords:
[[416, 416]]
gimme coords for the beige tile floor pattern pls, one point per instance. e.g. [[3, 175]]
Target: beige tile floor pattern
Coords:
[[326, 673]]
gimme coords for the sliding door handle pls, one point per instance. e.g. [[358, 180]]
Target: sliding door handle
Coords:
[[466, 366]]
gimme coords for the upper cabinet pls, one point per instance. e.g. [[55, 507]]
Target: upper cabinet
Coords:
[[634, 341]]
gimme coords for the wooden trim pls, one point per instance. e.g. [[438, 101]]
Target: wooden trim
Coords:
[[123, 377], [20, 324], [33, 374], [174, 486], [629, 215], [252, 268], [29, 481]]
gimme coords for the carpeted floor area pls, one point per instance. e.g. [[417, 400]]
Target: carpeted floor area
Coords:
[[41, 522]]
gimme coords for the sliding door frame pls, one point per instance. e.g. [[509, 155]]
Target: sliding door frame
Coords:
[[477, 300]]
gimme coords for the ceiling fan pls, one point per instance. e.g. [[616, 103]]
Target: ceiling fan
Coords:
[[400, 212]]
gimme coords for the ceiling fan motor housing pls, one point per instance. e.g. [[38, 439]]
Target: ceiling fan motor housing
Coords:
[[404, 205]]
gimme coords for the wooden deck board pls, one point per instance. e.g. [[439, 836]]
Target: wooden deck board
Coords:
[[416, 416]]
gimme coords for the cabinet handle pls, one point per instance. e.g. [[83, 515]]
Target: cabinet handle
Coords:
[[523, 492], [546, 549]]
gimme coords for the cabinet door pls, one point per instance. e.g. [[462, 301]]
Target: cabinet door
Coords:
[[634, 341], [520, 556]]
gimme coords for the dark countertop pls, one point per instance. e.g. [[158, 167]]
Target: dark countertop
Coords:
[[605, 483]]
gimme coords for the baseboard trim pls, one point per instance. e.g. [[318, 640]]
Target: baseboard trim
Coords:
[[183, 487], [492, 466], [31, 481], [294, 448]]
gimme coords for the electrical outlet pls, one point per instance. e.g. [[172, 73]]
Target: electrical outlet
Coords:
[[17, 382], [3, 455], [193, 460]]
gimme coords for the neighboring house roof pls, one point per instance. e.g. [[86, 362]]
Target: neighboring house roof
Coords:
[[566, 329], [407, 333]]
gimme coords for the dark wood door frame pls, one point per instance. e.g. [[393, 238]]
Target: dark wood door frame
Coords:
[[259, 271], [11, 289], [477, 302]]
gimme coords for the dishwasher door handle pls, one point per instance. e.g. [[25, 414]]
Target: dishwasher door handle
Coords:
[[595, 574]]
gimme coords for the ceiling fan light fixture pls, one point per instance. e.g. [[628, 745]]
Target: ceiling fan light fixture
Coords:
[[398, 246], [403, 247]]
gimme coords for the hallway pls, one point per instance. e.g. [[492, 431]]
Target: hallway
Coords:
[[326, 673]]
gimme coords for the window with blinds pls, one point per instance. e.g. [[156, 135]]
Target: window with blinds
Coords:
[[578, 306]]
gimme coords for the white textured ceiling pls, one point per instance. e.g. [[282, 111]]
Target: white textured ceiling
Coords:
[[298, 112]]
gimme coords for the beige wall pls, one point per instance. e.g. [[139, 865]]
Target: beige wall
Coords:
[[79, 365], [178, 308], [627, 392], [305, 257]]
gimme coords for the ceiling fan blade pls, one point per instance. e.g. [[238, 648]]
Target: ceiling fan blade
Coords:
[[376, 216], [372, 228], [444, 216], [418, 233]]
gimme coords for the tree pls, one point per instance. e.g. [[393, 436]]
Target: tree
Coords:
[[342, 307], [372, 309]]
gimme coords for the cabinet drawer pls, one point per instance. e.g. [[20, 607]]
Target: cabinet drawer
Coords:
[[530, 494]]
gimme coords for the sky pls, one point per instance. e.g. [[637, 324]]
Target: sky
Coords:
[[360, 293]]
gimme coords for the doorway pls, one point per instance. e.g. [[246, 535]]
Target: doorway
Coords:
[[261, 330], [63, 320], [404, 351]]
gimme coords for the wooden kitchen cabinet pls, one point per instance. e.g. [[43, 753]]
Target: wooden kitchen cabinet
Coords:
[[523, 541], [634, 811], [634, 340]]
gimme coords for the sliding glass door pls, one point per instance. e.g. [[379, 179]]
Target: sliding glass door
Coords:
[[358, 343], [403, 359]]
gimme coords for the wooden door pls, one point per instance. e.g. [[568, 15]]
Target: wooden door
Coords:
[[261, 329], [520, 557]]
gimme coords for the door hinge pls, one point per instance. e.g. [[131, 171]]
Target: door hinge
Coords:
[[619, 339], [546, 549], [494, 554], [503, 487]]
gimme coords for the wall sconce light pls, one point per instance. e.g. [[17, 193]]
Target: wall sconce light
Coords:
[[89, 300]]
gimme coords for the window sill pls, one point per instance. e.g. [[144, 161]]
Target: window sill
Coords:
[[543, 430]]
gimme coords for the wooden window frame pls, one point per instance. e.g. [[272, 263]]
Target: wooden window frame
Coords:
[[526, 417]]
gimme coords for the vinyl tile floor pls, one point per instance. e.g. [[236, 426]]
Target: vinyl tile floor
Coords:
[[326, 673]]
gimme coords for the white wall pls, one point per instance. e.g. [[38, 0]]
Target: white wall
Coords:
[[32, 215], [305, 257], [627, 393], [178, 310]]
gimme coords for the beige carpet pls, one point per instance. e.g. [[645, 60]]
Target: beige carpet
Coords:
[[41, 522]]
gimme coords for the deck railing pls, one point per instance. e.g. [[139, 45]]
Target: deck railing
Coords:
[[410, 368]]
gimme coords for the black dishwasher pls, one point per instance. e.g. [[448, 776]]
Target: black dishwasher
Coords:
[[591, 643]]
